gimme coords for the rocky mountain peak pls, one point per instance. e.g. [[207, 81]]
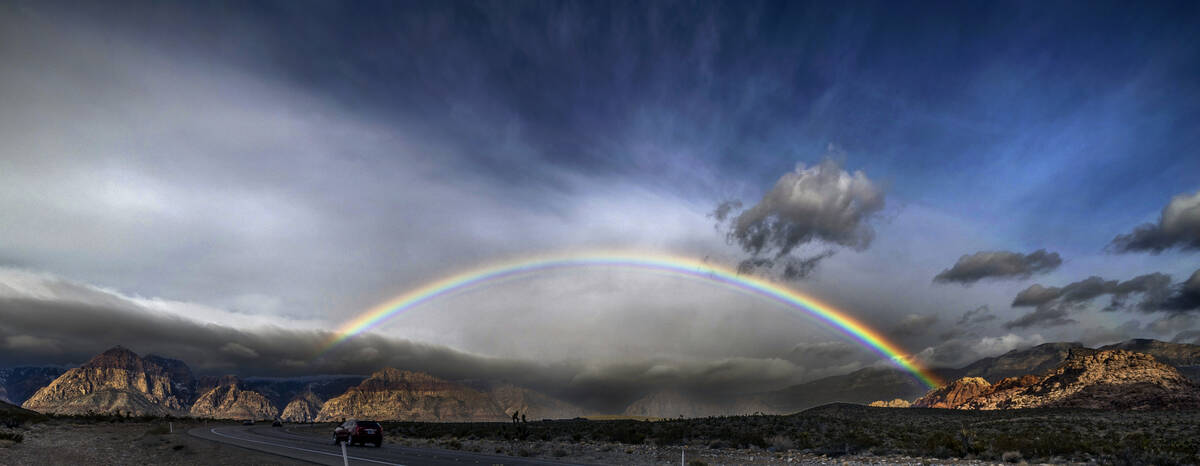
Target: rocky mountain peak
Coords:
[[954, 393], [404, 395], [1099, 379], [229, 401], [1115, 367], [895, 403], [303, 408], [115, 381], [391, 377], [118, 357]]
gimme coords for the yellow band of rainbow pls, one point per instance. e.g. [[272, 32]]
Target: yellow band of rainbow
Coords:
[[674, 265]]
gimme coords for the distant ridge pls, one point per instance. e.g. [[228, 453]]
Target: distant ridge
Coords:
[[17, 384]]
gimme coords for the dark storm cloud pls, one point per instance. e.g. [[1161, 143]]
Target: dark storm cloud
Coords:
[[724, 209], [914, 325], [1188, 336], [827, 352], [793, 268], [1173, 323], [999, 264], [1186, 297], [1153, 288], [1048, 316], [1153, 292], [978, 315], [1178, 227]]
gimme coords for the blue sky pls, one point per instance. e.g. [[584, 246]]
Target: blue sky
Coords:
[[293, 164], [1069, 121]]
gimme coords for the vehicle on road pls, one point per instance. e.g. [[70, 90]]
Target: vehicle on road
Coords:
[[356, 432], [248, 422]]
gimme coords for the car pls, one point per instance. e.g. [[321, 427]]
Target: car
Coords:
[[248, 422], [277, 423], [355, 432]]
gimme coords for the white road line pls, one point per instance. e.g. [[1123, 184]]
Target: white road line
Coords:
[[214, 431]]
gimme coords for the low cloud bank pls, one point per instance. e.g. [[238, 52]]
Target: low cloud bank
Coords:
[[44, 320]]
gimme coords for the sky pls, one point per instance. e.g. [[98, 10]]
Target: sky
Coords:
[[227, 182]]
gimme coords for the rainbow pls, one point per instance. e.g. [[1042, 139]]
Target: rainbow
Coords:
[[673, 265]]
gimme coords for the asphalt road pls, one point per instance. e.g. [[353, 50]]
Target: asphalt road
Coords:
[[321, 450]]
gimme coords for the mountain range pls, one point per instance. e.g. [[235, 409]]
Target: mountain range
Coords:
[[1093, 379], [120, 381]]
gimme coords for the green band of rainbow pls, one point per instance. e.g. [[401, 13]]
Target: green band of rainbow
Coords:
[[674, 265]]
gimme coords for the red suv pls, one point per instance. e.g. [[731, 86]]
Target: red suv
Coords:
[[358, 433]]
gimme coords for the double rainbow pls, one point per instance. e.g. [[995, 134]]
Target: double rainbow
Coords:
[[672, 265]]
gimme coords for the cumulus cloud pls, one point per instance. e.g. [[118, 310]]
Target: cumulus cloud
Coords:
[[998, 265], [1178, 227], [823, 203]]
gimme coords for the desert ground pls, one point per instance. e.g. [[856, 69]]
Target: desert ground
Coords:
[[840, 433], [79, 441], [832, 434]]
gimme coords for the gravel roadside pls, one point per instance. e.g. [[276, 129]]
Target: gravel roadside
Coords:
[[123, 443]]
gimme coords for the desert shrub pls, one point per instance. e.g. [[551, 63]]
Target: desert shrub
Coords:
[[558, 453], [454, 444], [669, 433], [942, 444], [630, 436], [158, 430], [847, 442], [781, 443], [741, 437]]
